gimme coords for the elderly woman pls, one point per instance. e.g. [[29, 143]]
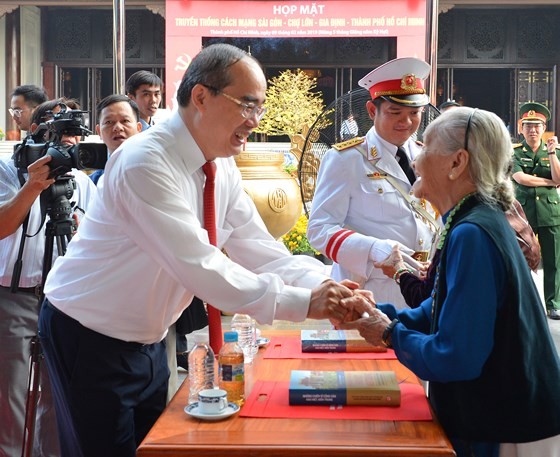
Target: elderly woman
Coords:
[[481, 338]]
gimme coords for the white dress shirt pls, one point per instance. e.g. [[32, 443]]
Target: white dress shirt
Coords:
[[141, 253], [351, 211], [33, 254]]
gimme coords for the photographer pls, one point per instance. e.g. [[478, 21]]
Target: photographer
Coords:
[[20, 190], [46, 111]]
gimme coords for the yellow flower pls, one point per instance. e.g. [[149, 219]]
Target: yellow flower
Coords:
[[296, 239]]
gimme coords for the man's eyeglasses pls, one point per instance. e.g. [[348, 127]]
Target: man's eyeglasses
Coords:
[[248, 110], [16, 112]]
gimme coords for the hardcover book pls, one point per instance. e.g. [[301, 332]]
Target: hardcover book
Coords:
[[344, 388], [324, 340]]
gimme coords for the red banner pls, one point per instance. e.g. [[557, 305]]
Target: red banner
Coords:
[[188, 21]]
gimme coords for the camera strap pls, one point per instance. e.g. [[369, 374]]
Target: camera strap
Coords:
[[19, 262]]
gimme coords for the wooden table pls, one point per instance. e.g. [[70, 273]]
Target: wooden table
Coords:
[[176, 435]]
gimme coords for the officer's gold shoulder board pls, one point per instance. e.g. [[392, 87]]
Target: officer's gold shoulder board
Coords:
[[349, 143], [516, 145]]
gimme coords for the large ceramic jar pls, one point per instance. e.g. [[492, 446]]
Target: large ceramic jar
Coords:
[[275, 193]]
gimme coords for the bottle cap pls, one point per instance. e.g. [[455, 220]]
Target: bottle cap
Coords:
[[230, 337], [200, 338]]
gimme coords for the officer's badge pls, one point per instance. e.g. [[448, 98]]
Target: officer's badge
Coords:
[[349, 143], [377, 175], [408, 82], [373, 152]]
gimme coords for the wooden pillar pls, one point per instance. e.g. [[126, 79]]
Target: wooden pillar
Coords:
[[12, 69]]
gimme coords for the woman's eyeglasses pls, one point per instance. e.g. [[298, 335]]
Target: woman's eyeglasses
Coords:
[[468, 129]]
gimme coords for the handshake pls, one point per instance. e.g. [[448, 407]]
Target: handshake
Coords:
[[348, 307], [340, 302]]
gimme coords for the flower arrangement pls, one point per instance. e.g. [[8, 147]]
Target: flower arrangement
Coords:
[[1, 134], [296, 239]]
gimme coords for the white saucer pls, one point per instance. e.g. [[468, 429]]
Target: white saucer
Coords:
[[261, 342], [194, 411]]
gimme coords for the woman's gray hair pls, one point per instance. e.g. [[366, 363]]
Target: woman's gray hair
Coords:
[[488, 144]]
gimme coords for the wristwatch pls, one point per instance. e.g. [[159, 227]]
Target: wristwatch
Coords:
[[386, 338]]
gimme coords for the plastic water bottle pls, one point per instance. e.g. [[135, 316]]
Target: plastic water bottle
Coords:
[[232, 369], [245, 327], [201, 367]]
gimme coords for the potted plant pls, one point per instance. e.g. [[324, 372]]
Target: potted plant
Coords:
[[297, 243], [291, 104]]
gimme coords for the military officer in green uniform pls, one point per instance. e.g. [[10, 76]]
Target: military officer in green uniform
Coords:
[[536, 173]]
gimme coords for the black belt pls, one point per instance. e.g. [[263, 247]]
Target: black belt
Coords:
[[103, 339], [36, 290]]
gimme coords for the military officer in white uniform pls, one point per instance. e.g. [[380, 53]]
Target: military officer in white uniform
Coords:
[[363, 205]]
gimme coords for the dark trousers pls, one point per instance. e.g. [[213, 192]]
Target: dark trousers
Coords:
[[549, 239], [465, 448], [108, 393]]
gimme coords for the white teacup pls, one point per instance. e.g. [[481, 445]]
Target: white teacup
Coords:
[[212, 401]]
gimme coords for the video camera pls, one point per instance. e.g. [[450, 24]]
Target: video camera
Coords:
[[47, 140]]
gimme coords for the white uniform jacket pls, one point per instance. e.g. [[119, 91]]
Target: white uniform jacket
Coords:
[[350, 210]]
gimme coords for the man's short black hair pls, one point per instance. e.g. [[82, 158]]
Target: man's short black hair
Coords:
[[41, 113], [117, 98], [211, 68], [33, 95], [142, 77]]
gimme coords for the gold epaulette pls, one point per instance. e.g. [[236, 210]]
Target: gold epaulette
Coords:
[[516, 145], [349, 143]]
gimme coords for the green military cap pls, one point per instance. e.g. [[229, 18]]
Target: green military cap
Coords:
[[533, 113]]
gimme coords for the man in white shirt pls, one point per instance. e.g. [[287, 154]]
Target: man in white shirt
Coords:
[[19, 309], [362, 206], [145, 89], [23, 101], [141, 254]]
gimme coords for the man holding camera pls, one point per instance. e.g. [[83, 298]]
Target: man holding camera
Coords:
[[20, 213]]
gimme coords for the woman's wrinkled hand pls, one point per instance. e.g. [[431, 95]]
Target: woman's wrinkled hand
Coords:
[[371, 328], [362, 301], [397, 260]]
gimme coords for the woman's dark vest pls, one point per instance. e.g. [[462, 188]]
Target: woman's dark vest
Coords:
[[517, 396]]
